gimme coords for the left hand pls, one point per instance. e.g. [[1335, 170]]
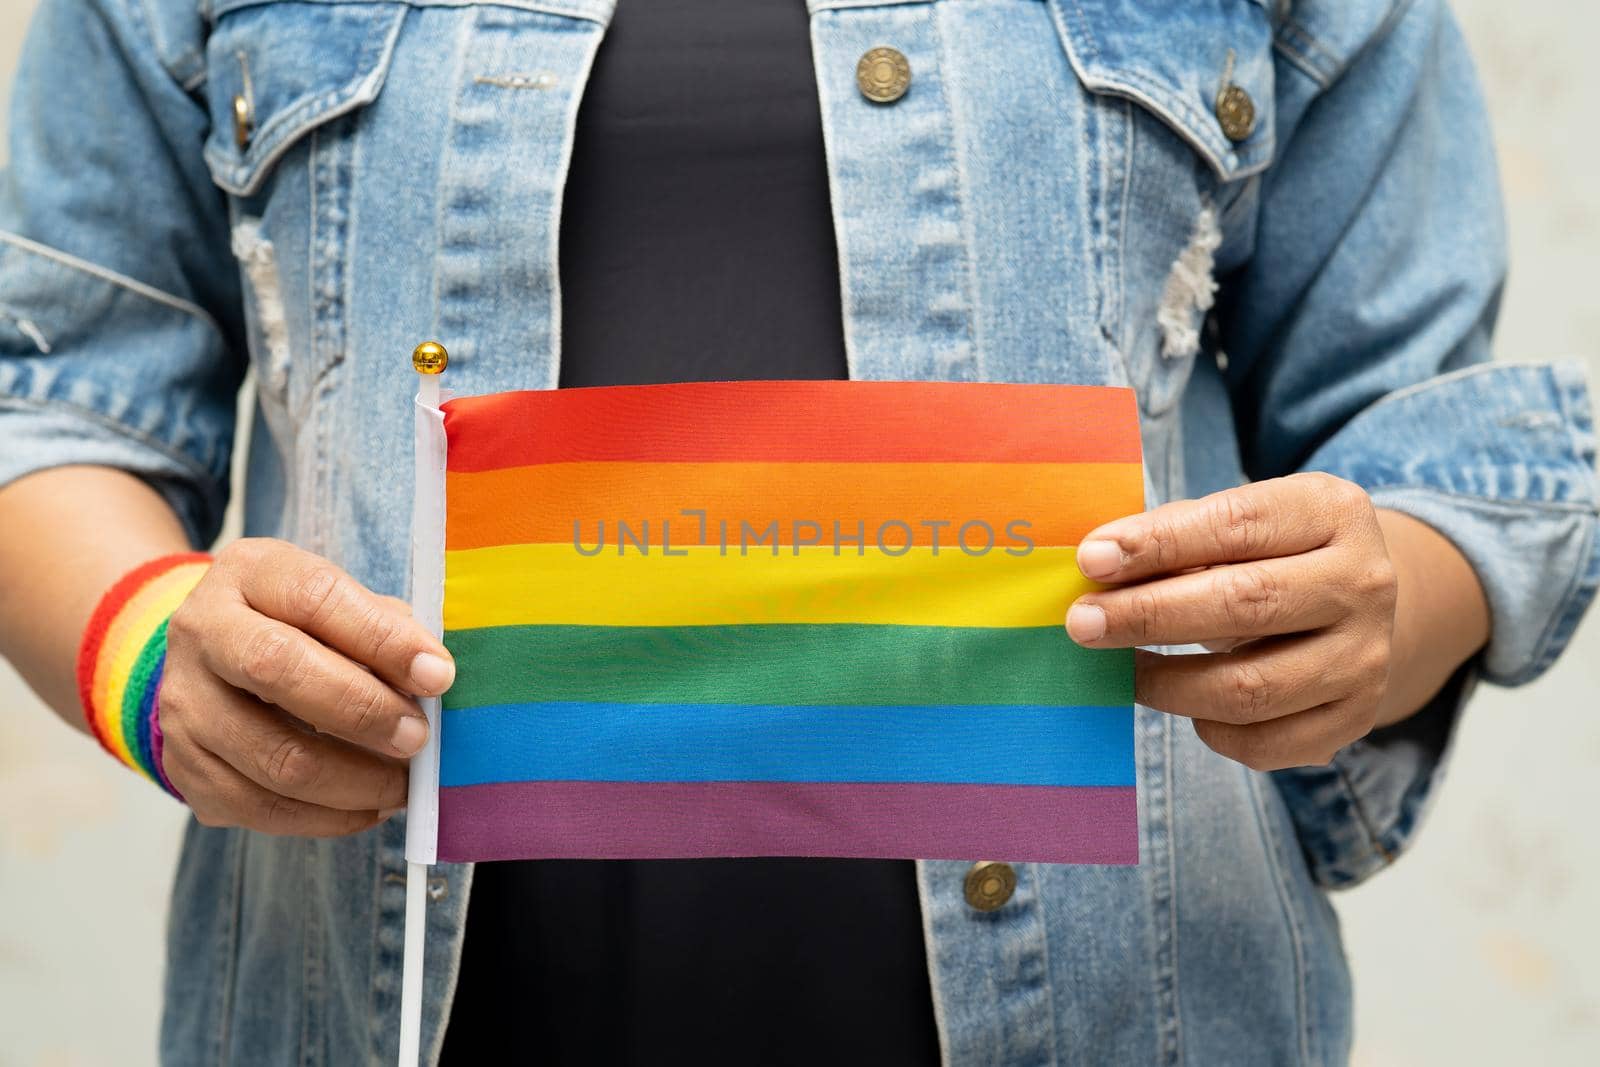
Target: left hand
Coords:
[[1289, 583]]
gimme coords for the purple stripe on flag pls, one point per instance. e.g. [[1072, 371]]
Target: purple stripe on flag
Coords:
[[667, 820]]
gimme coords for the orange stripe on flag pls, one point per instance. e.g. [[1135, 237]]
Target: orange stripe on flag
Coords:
[[539, 504]]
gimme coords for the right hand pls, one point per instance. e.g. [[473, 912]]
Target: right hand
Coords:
[[287, 697]]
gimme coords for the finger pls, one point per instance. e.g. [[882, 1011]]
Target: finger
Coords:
[[293, 586], [1241, 600], [1268, 680], [1278, 517], [1310, 739], [282, 666], [221, 796], [285, 758]]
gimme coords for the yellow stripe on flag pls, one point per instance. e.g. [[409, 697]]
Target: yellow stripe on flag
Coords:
[[552, 584]]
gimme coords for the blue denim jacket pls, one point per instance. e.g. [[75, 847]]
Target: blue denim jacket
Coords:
[[1051, 201]]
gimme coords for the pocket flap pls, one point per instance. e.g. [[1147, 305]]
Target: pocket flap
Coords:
[[1176, 60], [292, 66]]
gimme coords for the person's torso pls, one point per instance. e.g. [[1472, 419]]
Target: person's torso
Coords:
[[696, 244], [396, 172]]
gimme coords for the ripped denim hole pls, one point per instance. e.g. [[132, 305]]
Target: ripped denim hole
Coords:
[[260, 262], [1191, 289]]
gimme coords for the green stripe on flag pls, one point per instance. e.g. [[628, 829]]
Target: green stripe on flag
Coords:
[[784, 664]]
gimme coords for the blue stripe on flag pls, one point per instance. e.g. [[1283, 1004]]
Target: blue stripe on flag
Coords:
[[594, 742]]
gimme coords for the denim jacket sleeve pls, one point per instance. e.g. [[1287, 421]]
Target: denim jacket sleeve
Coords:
[[120, 331], [1357, 336]]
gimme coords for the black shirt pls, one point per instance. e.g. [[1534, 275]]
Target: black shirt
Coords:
[[697, 244]]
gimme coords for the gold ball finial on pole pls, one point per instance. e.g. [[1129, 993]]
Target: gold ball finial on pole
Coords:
[[429, 358]]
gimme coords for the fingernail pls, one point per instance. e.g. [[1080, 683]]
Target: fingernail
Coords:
[[1099, 559], [409, 734], [1085, 623], [432, 674]]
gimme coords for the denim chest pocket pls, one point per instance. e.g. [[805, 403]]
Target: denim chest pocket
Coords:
[[1185, 97], [285, 84]]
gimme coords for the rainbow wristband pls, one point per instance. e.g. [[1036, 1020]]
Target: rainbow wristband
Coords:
[[120, 659]]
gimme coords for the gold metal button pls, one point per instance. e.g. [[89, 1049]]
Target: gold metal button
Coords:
[[990, 884], [883, 75], [429, 358], [1237, 112], [244, 122]]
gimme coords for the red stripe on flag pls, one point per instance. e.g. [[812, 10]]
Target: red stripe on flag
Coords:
[[822, 422]]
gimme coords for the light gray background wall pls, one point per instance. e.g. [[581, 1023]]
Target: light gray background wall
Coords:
[[1480, 947]]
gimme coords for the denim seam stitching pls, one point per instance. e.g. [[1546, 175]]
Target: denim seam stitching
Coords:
[[587, 12], [1195, 126], [273, 141], [1579, 418], [140, 16], [325, 389], [1130, 149], [313, 218], [1509, 503], [123, 430], [1472, 370], [380, 878], [1415, 797], [1579, 597], [1044, 948], [106, 274], [453, 965], [1168, 789], [1539, 656], [460, 47], [1570, 602], [231, 948], [1310, 40], [963, 216], [1342, 64], [1375, 846], [1273, 845], [1300, 44], [1569, 607], [324, 367], [332, 223], [1299, 62], [307, 531], [313, 993], [1119, 296], [1181, 118]]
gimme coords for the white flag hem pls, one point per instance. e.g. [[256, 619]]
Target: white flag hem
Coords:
[[427, 605]]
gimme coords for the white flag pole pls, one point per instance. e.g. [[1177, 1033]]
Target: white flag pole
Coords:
[[411, 969], [427, 605]]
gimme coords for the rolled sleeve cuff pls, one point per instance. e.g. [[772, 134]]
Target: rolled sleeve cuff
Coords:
[[1357, 814], [39, 436], [99, 369], [1499, 459]]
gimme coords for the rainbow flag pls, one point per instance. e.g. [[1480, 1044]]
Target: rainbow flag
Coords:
[[783, 618]]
